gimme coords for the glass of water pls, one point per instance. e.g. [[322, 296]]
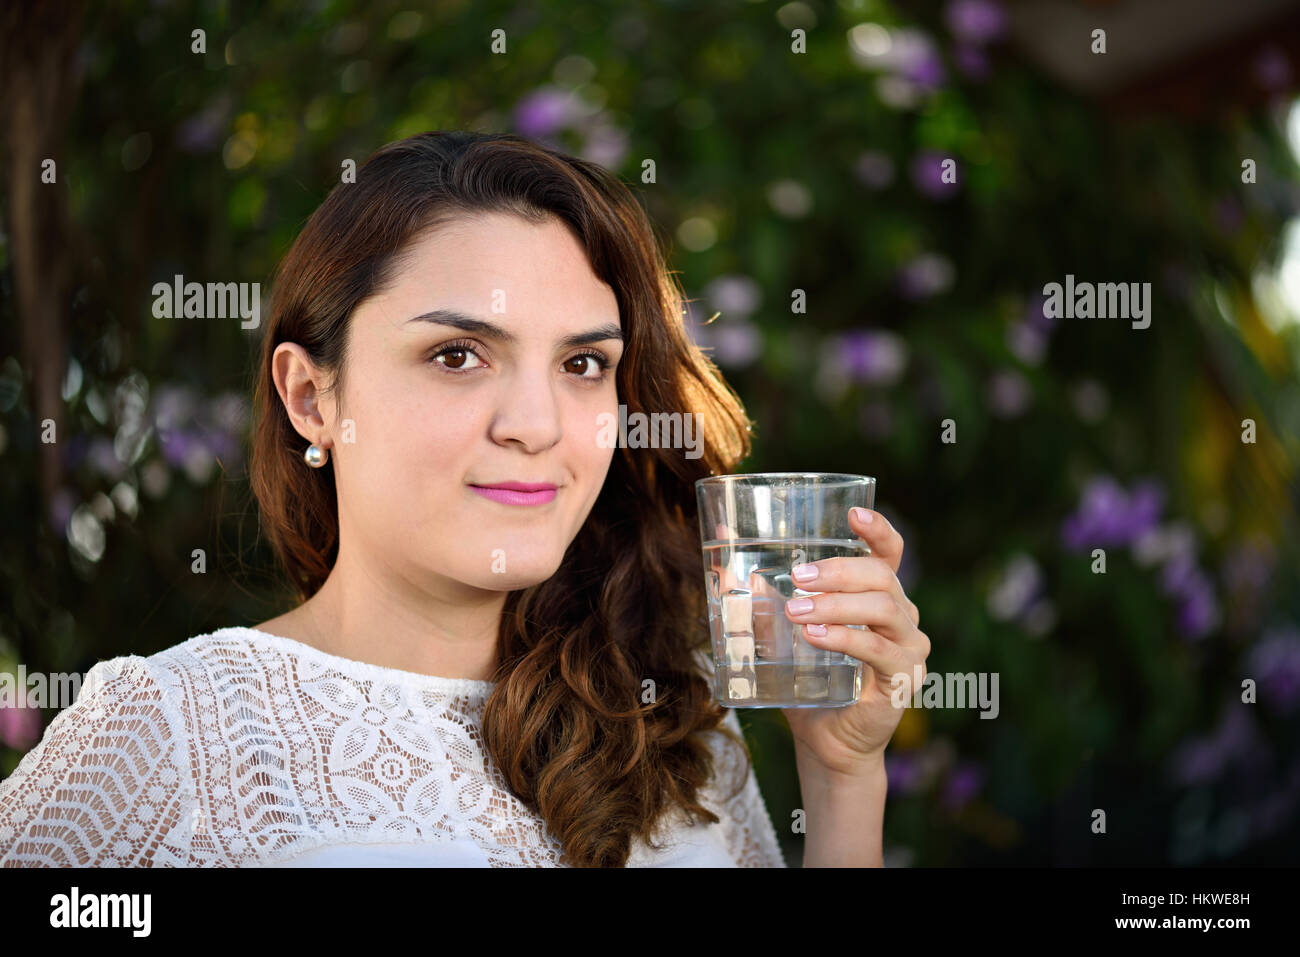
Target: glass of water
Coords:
[[754, 528]]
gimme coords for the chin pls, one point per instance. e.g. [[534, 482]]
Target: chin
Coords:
[[518, 573], [513, 582]]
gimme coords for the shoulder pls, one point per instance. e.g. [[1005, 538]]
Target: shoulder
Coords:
[[205, 649], [171, 694], [230, 671], [147, 696], [108, 779], [217, 661], [125, 686]]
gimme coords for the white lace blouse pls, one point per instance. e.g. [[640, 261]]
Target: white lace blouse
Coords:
[[242, 748]]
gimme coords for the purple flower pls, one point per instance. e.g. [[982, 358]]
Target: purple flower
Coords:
[[220, 444], [903, 52], [174, 405], [1107, 516], [1145, 503], [736, 296], [1270, 815], [104, 459], [605, 145], [927, 275], [62, 506], [906, 58], [229, 412], [74, 451], [733, 342], [1100, 516], [1091, 400], [177, 444], [1204, 758], [694, 319], [738, 343], [202, 131], [972, 61], [1275, 662], [192, 429], [1028, 338], [20, 728], [925, 70], [1179, 574], [1036, 314], [1238, 733], [1181, 577], [1199, 612], [1026, 343], [873, 357], [1272, 69], [1197, 760], [962, 785], [903, 771], [875, 169], [1249, 566], [976, 21], [1009, 393], [545, 111], [928, 175]]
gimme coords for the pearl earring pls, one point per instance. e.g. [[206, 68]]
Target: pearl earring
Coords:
[[315, 456]]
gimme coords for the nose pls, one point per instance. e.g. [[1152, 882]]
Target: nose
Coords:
[[527, 412]]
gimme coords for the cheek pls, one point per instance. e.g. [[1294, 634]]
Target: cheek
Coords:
[[590, 454], [593, 452], [411, 448]]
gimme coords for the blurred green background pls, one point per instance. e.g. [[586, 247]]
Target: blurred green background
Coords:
[[779, 168]]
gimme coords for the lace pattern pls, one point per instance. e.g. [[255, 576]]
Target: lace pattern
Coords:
[[242, 748]]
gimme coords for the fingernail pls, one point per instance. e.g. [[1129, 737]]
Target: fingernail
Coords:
[[817, 631], [803, 573], [862, 515], [799, 606]]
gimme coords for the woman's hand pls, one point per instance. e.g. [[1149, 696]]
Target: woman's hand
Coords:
[[850, 741]]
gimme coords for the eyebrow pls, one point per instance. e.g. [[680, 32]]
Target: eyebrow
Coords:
[[465, 323]]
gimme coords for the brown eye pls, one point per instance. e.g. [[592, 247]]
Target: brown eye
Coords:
[[599, 362], [453, 358]]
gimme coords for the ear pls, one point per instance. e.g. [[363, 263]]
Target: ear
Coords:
[[302, 390]]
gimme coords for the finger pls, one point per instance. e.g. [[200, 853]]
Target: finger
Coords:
[[883, 539], [867, 646], [850, 573], [876, 609]]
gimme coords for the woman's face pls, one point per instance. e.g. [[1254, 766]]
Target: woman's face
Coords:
[[512, 397]]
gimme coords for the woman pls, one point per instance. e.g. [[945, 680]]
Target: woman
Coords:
[[486, 590]]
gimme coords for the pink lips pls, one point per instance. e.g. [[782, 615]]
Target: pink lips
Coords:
[[517, 493]]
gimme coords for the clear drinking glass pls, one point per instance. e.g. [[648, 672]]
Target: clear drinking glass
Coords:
[[754, 528]]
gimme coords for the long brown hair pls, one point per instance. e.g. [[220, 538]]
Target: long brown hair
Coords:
[[566, 724]]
